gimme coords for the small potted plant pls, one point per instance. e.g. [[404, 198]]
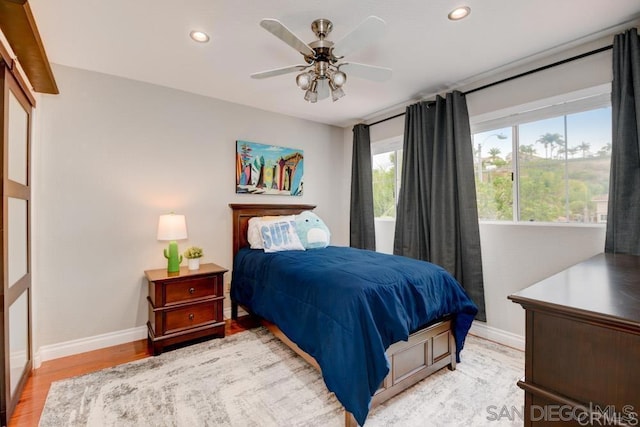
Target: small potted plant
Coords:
[[193, 254]]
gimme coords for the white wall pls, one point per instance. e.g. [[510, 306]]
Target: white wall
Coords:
[[516, 255], [110, 155]]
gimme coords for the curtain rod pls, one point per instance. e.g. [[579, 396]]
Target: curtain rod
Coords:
[[517, 76]]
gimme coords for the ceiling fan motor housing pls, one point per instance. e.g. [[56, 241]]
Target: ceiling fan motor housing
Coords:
[[321, 27], [322, 49]]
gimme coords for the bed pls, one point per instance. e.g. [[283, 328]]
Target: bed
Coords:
[[371, 334]]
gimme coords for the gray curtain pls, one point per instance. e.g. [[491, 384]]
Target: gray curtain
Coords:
[[437, 217], [362, 234], [623, 216]]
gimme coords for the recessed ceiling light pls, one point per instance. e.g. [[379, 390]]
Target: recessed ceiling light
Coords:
[[199, 36], [459, 13]]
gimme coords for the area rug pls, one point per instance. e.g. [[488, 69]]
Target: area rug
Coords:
[[252, 379]]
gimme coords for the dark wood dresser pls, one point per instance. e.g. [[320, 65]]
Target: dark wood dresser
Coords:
[[582, 351], [185, 306]]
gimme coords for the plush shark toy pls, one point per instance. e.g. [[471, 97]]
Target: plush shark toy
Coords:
[[312, 231]]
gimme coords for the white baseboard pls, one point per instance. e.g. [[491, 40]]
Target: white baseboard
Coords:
[[37, 359], [482, 330], [69, 348]]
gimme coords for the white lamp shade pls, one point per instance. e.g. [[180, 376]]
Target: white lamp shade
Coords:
[[337, 93], [172, 227], [339, 78], [303, 81]]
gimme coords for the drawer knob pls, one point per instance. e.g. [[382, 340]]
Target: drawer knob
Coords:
[[191, 316], [192, 290]]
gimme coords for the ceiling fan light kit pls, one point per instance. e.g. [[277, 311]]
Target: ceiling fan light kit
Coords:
[[321, 75]]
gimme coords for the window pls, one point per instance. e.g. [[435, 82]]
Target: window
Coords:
[[561, 170], [387, 165], [493, 170]]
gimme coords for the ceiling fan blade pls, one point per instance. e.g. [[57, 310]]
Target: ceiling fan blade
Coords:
[[322, 89], [370, 72], [278, 71], [278, 29], [367, 32]]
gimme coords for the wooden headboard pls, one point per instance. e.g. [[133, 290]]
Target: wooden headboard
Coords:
[[243, 212]]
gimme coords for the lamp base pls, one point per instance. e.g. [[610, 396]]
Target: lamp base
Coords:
[[173, 257]]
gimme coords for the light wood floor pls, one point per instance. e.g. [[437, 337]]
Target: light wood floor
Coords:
[[31, 403]]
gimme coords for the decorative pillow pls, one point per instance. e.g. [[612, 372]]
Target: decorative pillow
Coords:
[[312, 231], [280, 235], [254, 236]]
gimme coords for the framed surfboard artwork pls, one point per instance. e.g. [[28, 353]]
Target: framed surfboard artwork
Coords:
[[268, 169]]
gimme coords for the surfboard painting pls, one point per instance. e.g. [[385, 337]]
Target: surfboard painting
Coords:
[[268, 169]]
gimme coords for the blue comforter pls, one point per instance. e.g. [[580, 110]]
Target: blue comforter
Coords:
[[345, 306]]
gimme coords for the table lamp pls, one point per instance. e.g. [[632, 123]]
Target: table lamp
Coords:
[[172, 227]]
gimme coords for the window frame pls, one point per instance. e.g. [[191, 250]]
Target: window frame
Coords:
[[393, 144], [512, 117]]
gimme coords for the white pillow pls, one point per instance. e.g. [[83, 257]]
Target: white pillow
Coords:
[[253, 233], [280, 235], [254, 236]]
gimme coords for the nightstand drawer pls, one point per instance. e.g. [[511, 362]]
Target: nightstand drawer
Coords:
[[192, 316], [190, 289]]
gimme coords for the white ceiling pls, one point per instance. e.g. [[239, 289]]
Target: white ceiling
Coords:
[[148, 40]]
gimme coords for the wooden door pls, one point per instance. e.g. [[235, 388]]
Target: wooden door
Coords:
[[15, 260]]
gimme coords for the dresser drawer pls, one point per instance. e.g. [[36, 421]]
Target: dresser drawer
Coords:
[[192, 316], [189, 289]]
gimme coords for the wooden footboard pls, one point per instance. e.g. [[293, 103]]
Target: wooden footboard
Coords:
[[425, 352]]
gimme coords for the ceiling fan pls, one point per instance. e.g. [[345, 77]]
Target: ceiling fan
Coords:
[[325, 69]]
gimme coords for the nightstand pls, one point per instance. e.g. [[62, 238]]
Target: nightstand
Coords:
[[184, 306]]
